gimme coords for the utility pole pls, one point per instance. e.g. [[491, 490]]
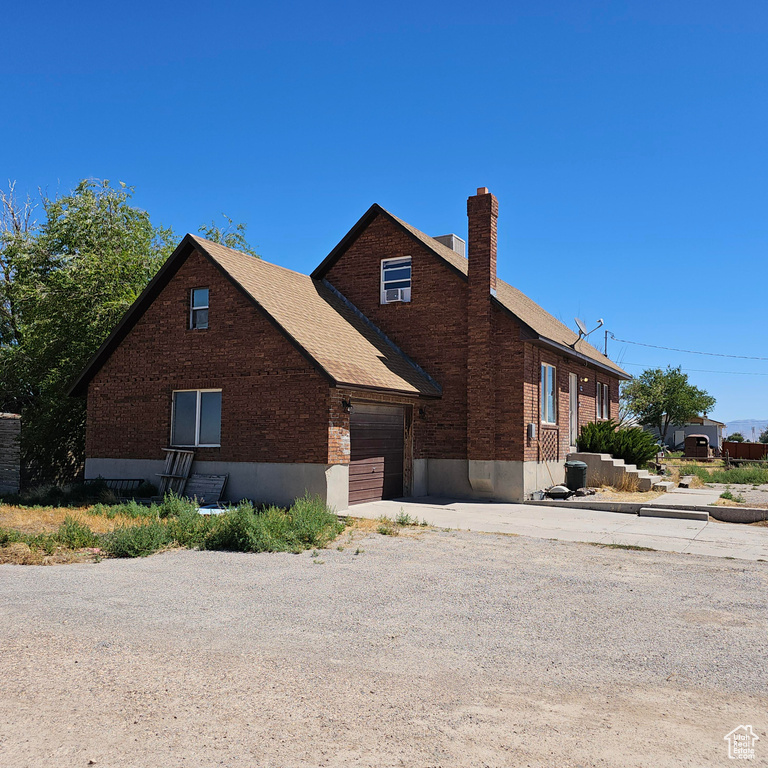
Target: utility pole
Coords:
[[606, 344]]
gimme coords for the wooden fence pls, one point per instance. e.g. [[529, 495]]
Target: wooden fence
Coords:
[[749, 451]]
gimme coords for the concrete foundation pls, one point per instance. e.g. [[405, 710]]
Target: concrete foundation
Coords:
[[261, 482], [498, 480], [282, 483]]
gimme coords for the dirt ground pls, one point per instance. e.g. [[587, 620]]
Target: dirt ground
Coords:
[[428, 649]]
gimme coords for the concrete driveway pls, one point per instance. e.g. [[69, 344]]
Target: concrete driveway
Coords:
[[695, 537]]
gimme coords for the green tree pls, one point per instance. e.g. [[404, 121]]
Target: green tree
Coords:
[[659, 398], [763, 436], [736, 437], [233, 235], [64, 285]]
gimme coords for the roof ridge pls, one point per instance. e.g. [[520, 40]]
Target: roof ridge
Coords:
[[259, 259]]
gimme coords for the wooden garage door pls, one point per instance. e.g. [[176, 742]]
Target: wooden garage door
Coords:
[[376, 459]]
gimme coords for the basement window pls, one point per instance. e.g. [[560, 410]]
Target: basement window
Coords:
[[198, 312], [603, 403], [395, 280], [196, 418], [548, 394]]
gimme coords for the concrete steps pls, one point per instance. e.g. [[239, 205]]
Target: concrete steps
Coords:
[[681, 514], [603, 469]]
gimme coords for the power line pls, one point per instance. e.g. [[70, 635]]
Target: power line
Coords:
[[700, 370], [687, 351]]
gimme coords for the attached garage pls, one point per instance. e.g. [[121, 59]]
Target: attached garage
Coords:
[[377, 456]]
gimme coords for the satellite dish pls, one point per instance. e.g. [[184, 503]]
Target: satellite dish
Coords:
[[580, 325]]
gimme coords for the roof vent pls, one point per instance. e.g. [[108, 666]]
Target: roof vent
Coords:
[[455, 243]]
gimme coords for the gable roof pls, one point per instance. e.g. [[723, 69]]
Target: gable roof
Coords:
[[537, 323], [343, 345]]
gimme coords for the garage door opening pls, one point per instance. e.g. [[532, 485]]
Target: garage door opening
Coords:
[[377, 452]]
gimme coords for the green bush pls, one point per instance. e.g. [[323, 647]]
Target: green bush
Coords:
[[189, 528], [632, 444], [308, 523], [75, 535], [173, 505], [136, 540]]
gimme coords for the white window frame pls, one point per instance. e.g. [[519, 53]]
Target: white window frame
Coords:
[[406, 291], [198, 405], [603, 404], [193, 308], [548, 380]]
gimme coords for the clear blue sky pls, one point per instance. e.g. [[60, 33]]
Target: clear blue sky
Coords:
[[626, 142]]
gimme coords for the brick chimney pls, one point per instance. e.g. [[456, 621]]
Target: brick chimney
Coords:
[[482, 212]]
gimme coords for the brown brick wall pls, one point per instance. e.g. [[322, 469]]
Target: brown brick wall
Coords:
[[482, 213], [274, 402], [431, 328], [559, 436]]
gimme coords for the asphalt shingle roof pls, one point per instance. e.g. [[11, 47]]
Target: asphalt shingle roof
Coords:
[[524, 308], [346, 346]]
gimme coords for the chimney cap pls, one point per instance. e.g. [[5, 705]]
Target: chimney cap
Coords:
[[482, 190]]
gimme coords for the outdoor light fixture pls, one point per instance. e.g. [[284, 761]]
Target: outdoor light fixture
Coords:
[[423, 412], [347, 405]]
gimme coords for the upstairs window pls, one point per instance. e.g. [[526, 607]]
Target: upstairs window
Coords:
[[548, 394], [395, 280], [198, 312], [196, 418], [603, 402]]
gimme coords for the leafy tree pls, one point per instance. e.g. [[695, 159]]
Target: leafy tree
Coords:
[[659, 398], [763, 436], [233, 235], [64, 285], [736, 437]]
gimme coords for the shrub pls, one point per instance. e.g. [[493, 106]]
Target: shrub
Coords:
[[136, 540], [189, 528], [309, 523], [75, 535], [173, 505], [632, 444]]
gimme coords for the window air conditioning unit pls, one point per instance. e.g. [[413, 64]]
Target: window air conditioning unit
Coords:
[[394, 294]]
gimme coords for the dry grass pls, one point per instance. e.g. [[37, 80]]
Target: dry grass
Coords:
[[48, 519], [607, 493], [22, 554]]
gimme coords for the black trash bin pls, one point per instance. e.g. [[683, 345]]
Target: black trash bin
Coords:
[[575, 475]]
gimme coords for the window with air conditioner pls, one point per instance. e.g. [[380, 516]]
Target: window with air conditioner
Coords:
[[395, 280]]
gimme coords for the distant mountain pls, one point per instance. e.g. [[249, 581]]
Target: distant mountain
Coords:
[[745, 427]]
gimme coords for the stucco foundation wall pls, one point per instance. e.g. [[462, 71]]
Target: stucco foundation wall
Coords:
[[451, 478], [262, 482], [537, 478]]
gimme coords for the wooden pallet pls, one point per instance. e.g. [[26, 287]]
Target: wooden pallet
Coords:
[[178, 463], [207, 489]]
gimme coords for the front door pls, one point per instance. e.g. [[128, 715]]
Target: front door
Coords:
[[573, 411]]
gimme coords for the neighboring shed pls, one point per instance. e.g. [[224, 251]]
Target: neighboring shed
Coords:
[[10, 453]]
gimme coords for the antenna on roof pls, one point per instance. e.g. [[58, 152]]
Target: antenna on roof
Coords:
[[583, 333]]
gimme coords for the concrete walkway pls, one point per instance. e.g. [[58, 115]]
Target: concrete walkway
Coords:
[[686, 497], [696, 537]]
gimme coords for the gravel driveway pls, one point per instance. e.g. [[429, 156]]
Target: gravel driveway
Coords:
[[434, 649]]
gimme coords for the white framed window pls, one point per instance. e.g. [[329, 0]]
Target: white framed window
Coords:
[[198, 309], [196, 418], [603, 402], [548, 394], [395, 280]]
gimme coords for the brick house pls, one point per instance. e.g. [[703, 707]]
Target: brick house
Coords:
[[399, 367]]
